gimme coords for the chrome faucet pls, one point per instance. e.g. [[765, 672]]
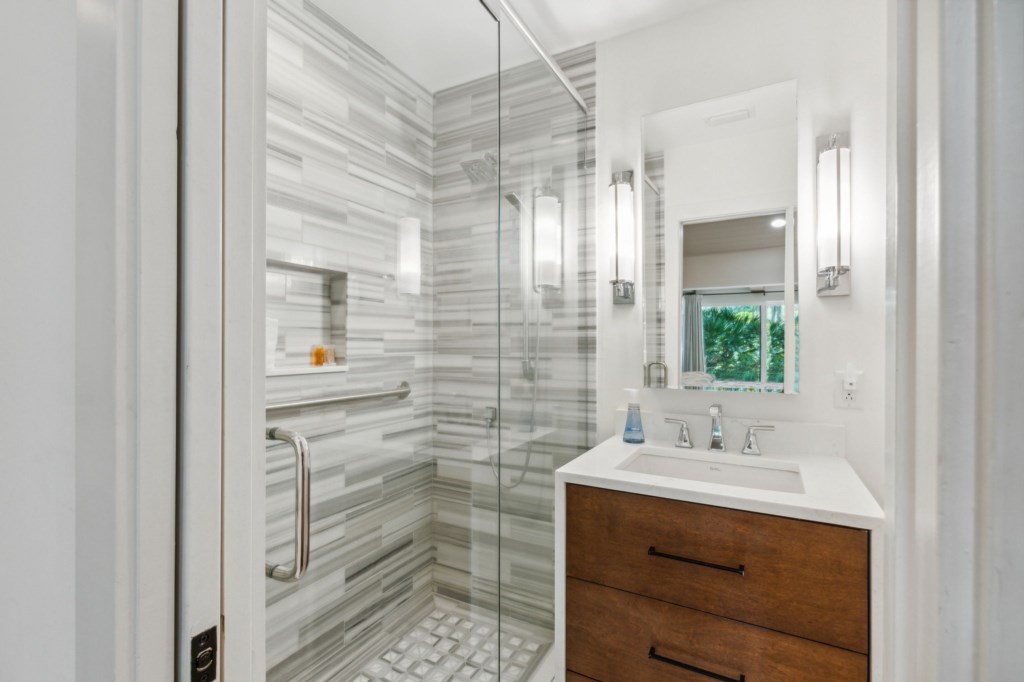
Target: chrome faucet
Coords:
[[717, 443]]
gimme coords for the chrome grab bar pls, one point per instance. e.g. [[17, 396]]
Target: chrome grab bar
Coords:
[[401, 392], [647, 373], [297, 569]]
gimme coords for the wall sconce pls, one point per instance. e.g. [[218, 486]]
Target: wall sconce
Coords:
[[834, 218], [625, 239], [547, 241], [409, 267]]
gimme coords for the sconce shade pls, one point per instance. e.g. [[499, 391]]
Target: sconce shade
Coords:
[[625, 236], [624, 263], [409, 266], [547, 241], [834, 219]]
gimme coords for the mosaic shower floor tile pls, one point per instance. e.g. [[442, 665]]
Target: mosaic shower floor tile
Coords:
[[450, 644]]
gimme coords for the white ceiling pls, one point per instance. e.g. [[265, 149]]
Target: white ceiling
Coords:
[[438, 43], [443, 43], [734, 234], [561, 24]]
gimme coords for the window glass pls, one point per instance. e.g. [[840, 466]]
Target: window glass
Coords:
[[776, 343], [732, 338]]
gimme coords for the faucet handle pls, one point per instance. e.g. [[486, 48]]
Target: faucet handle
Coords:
[[683, 438], [750, 443]]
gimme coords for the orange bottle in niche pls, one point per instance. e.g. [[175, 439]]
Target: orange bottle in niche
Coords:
[[319, 356]]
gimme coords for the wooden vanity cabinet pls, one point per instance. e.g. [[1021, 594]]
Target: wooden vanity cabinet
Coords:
[[570, 676], [660, 589]]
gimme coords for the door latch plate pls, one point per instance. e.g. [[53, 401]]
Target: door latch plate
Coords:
[[204, 656]]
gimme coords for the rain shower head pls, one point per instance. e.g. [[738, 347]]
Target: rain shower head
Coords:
[[482, 170]]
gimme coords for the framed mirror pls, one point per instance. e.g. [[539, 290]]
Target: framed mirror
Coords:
[[720, 293]]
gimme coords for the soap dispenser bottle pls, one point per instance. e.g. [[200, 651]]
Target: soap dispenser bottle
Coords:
[[634, 432]]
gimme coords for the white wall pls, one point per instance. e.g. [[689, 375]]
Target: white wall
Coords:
[[836, 51], [87, 257], [37, 304], [731, 176]]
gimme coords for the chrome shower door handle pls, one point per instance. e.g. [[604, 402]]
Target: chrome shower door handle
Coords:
[[297, 569]]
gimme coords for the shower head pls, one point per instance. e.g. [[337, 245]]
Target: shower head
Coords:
[[513, 198], [482, 170]]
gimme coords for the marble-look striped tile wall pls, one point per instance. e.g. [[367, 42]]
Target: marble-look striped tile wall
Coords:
[[654, 260], [543, 139], [350, 151], [353, 145]]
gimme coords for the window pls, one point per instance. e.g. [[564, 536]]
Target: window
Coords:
[[744, 343]]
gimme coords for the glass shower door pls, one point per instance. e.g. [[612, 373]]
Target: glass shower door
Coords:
[[546, 314]]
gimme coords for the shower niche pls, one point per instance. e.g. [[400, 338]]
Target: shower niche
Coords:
[[307, 308]]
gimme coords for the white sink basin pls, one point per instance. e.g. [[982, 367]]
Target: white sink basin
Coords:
[[748, 472]]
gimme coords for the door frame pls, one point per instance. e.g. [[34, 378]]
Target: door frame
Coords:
[[200, 328], [123, 339], [244, 503], [221, 383]]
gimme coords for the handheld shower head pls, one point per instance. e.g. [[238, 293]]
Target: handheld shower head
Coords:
[[513, 198]]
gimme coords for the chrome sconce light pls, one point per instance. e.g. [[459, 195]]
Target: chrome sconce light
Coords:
[[409, 266], [833, 224], [625, 238], [547, 241]]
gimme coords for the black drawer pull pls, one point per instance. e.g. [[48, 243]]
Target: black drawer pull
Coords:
[[740, 570], [694, 669]]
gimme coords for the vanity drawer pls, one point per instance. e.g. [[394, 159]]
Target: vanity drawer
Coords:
[[611, 633], [798, 577]]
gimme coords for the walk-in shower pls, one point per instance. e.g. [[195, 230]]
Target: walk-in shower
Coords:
[[431, 510]]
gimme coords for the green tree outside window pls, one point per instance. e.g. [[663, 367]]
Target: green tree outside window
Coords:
[[732, 342]]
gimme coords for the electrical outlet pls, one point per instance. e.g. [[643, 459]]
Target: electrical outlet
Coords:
[[846, 398], [846, 386]]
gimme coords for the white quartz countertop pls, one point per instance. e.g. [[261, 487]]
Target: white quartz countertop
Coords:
[[833, 493]]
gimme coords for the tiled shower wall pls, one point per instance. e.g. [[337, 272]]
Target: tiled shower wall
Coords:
[[353, 145], [350, 142]]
